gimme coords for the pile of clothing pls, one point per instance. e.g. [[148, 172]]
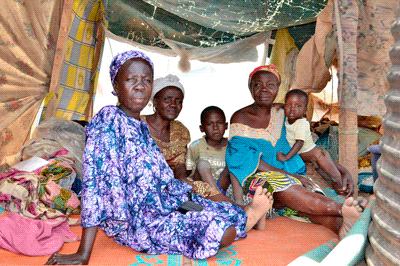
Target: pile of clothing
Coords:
[[42, 191]]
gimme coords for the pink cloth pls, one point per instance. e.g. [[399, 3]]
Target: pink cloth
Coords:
[[34, 237]]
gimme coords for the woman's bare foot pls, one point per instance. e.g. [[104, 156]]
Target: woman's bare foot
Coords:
[[258, 208], [351, 211], [260, 225]]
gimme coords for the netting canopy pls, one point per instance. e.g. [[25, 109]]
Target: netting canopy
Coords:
[[205, 23]]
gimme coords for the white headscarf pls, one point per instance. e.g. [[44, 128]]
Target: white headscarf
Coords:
[[161, 83]]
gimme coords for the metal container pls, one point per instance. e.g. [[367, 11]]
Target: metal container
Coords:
[[384, 230]]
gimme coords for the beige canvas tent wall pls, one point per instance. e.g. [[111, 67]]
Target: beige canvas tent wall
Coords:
[[50, 53]]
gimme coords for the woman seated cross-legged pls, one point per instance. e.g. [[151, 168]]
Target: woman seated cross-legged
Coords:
[[257, 133]]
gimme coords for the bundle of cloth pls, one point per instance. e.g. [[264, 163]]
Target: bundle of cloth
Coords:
[[41, 192]]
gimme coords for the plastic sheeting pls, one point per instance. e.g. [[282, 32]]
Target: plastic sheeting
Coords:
[[243, 17], [205, 23], [239, 51]]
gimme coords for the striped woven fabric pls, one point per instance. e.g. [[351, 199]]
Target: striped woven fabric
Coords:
[[80, 69]]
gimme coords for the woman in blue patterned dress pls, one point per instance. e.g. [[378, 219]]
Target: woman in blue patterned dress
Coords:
[[130, 192]]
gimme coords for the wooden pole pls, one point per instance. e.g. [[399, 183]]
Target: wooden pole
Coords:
[[65, 25], [348, 144], [347, 89]]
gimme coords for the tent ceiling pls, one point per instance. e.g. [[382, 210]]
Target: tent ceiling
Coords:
[[206, 23]]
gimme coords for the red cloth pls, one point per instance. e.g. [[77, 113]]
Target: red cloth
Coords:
[[34, 237]]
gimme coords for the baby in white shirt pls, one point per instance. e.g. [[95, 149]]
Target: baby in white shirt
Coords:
[[299, 136]]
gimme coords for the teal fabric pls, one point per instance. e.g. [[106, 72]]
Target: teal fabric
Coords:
[[320, 252], [361, 228], [1, 210], [332, 194], [243, 156]]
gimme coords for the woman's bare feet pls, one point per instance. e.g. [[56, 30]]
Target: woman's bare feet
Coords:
[[260, 225], [351, 211], [257, 209]]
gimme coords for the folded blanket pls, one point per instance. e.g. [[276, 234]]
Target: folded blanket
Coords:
[[34, 237]]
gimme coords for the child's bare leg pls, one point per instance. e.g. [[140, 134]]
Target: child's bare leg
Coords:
[[203, 172], [237, 189], [258, 207], [222, 198], [224, 179], [351, 211], [324, 161]]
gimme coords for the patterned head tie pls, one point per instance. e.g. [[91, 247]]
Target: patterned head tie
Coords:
[[268, 68], [121, 58], [168, 81]]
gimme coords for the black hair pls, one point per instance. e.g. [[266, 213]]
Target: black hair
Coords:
[[208, 110], [297, 92]]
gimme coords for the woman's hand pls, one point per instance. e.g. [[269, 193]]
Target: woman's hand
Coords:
[[180, 172], [82, 256], [70, 259], [187, 180], [307, 183], [347, 187]]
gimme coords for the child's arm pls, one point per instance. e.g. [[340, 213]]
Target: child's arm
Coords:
[[295, 149], [237, 190]]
